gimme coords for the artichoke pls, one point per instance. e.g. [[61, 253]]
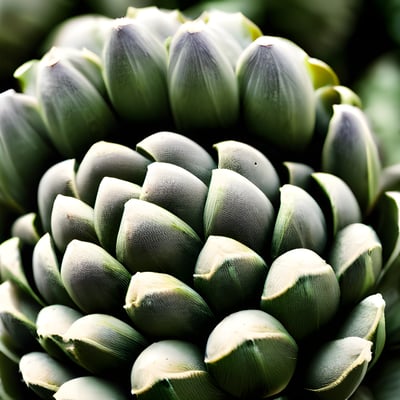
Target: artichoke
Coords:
[[145, 262]]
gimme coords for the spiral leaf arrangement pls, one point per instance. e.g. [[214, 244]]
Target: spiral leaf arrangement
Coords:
[[143, 263]]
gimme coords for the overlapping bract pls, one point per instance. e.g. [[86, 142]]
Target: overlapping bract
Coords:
[[217, 299], [250, 272], [217, 76]]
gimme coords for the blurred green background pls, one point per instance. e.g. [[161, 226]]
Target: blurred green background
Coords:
[[360, 39]]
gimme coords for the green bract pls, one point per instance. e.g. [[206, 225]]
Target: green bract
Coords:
[[103, 344], [131, 53], [300, 222], [51, 324], [237, 208], [184, 195], [82, 276], [43, 374], [201, 78], [173, 369], [170, 147], [251, 340], [73, 108], [25, 139], [356, 257], [71, 218], [229, 274], [108, 209], [251, 163], [338, 368], [277, 92], [90, 388], [151, 238], [162, 306], [108, 160], [193, 210], [59, 179], [351, 153], [309, 295]]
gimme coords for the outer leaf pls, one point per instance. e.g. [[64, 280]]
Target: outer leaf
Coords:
[[90, 388], [81, 60], [356, 257], [363, 392], [232, 31], [237, 208], [229, 275], [44, 375], [73, 109], [9, 348], [26, 75], [103, 344], [108, 159], [367, 320], [251, 163], [51, 323], [112, 194], [86, 31], [277, 92], [177, 190], [132, 54], [299, 223], [46, 272], [71, 218], [390, 179], [307, 298], [171, 370], [85, 268], [10, 377], [338, 368], [298, 174], [387, 223], [151, 238], [163, 307], [180, 150], [327, 97], [350, 153], [233, 23], [18, 313], [321, 73], [25, 151], [251, 355], [58, 179], [13, 266], [344, 207], [200, 78], [27, 228]]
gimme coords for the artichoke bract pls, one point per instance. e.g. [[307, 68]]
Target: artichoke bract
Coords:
[[200, 77], [255, 341], [201, 214], [71, 102], [132, 52], [277, 92]]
